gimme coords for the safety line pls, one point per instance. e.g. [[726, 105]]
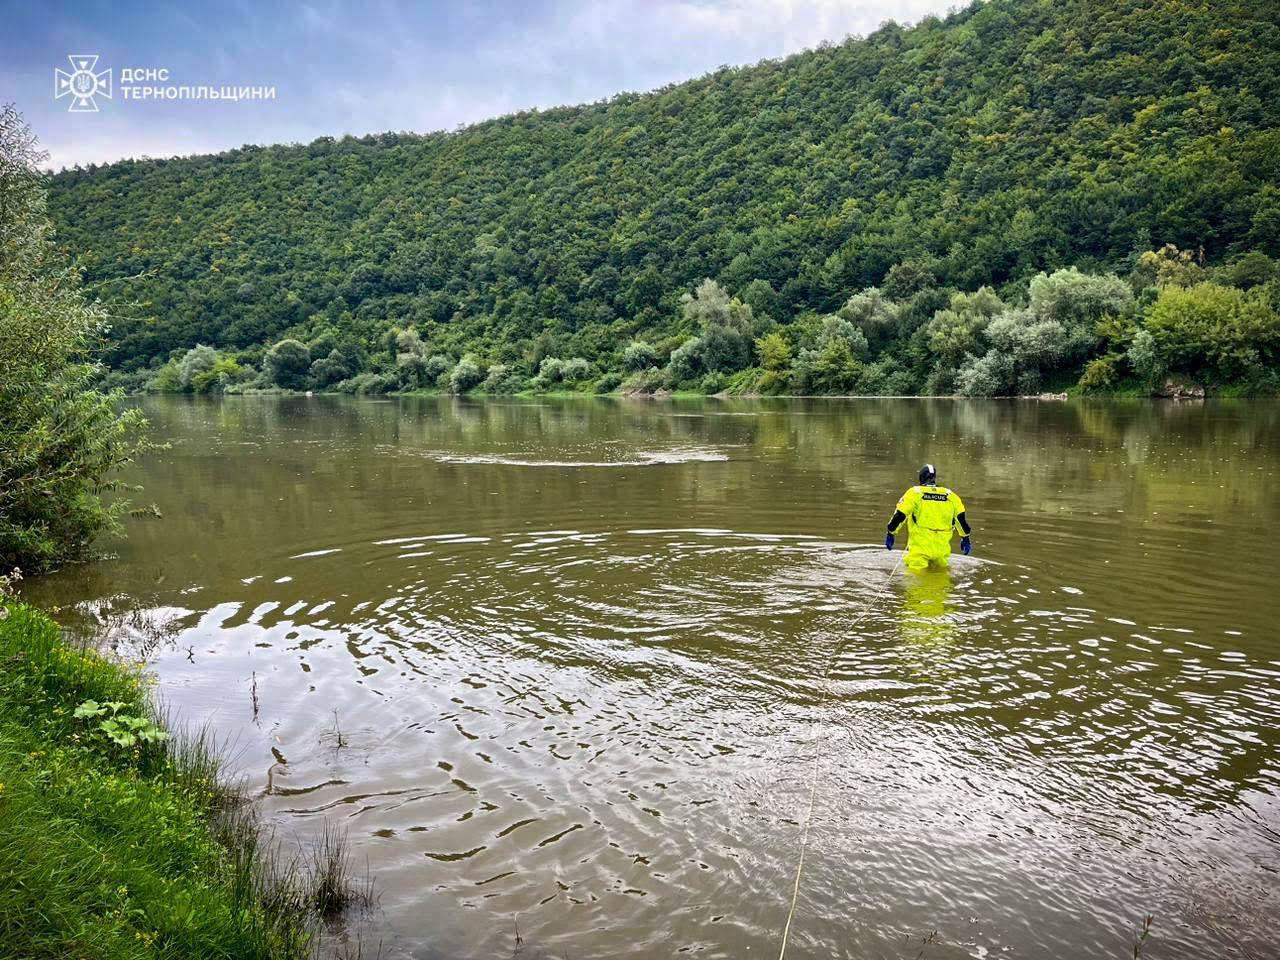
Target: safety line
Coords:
[[813, 787]]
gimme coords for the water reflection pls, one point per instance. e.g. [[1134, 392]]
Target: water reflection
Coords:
[[564, 660], [926, 607]]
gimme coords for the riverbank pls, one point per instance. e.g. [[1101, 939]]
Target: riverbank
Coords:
[[117, 841], [1189, 393], [1060, 389]]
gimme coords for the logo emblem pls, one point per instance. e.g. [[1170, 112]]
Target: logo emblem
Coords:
[[82, 85]]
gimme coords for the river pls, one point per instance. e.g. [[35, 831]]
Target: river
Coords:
[[558, 666]]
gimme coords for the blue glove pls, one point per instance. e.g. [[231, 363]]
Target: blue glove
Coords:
[[966, 545], [888, 541]]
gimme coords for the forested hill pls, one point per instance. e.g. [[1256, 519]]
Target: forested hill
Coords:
[[1012, 137]]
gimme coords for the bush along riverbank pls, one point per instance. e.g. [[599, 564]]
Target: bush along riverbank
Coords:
[[1170, 325], [119, 841]]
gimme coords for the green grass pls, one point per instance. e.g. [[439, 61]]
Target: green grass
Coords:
[[132, 852]]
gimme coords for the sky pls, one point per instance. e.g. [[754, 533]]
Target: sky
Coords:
[[351, 67]]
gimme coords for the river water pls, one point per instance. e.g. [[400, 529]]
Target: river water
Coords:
[[558, 666]]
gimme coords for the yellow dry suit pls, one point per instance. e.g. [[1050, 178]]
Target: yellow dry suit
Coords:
[[932, 514]]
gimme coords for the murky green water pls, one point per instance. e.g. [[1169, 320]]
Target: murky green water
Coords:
[[574, 651]]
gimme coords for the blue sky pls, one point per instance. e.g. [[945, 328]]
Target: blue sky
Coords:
[[341, 67]]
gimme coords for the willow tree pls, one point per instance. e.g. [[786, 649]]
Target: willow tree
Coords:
[[61, 440]]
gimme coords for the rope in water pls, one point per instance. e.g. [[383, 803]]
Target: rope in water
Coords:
[[813, 787]]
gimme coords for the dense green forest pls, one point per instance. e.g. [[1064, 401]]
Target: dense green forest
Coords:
[[1025, 195]]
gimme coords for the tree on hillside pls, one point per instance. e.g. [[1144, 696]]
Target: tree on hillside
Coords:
[[288, 364], [61, 441], [727, 331], [957, 330], [1214, 333]]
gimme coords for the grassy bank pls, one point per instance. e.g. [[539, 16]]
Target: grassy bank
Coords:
[[118, 842]]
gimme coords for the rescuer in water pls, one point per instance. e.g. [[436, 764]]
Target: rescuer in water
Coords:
[[932, 513]]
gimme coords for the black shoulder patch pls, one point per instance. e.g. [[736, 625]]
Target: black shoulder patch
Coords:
[[934, 496]]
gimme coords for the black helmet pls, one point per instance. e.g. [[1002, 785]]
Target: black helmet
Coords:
[[928, 475]]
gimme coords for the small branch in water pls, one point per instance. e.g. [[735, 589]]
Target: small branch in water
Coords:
[[338, 739], [1142, 936], [253, 694]]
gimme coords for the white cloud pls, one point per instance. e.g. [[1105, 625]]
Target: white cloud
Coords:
[[371, 67]]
